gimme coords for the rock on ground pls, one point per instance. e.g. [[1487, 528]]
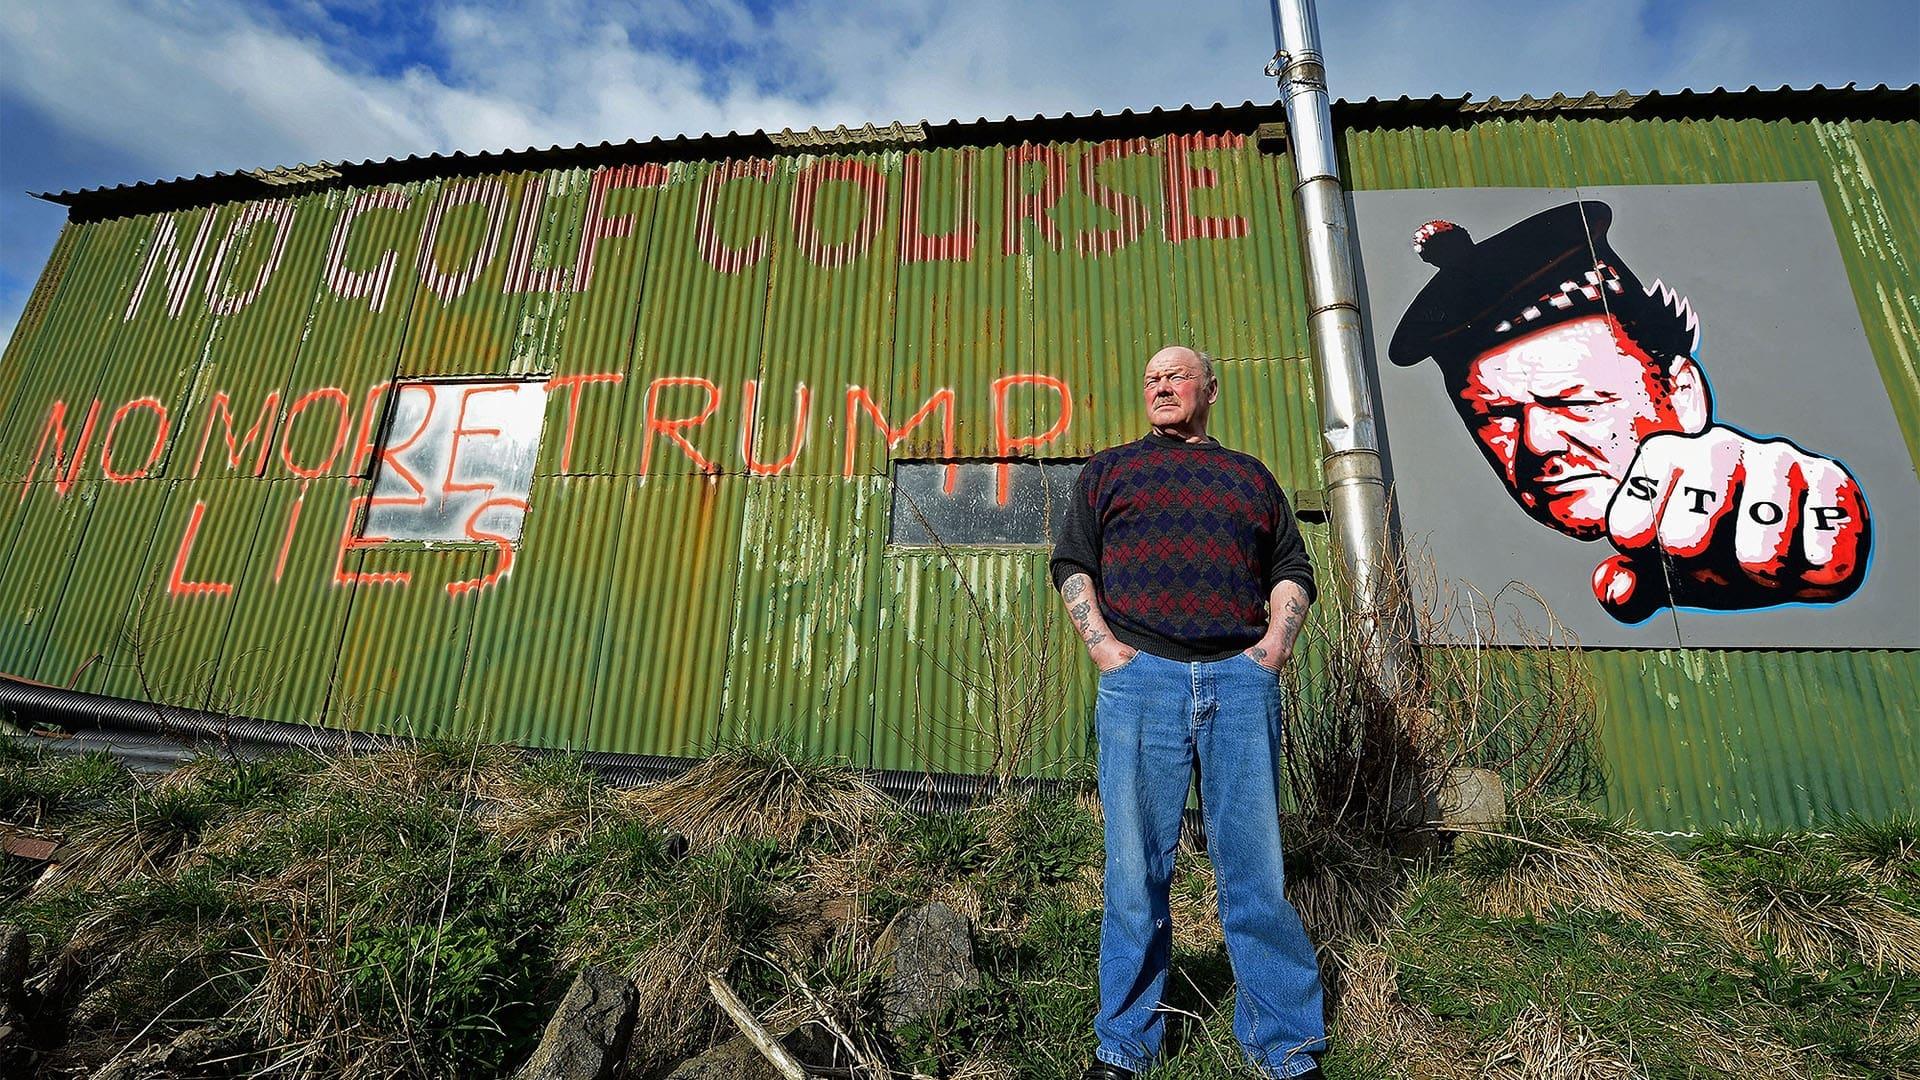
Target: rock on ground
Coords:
[[929, 954], [587, 1036]]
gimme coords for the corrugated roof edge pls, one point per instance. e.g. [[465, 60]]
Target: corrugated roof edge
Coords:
[[1848, 102]]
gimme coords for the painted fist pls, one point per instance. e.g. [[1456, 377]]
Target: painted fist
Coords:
[[1739, 522]]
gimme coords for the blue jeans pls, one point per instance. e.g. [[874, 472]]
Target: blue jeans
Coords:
[[1155, 717]]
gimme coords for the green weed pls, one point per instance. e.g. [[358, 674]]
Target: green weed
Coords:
[[417, 913]]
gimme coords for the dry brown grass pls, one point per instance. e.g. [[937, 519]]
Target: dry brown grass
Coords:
[[302, 1016], [1345, 885], [759, 795], [1732, 1049], [669, 982], [1831, 923], [1087, 890], [108, 850], [1566, 858], [1543, 1044], [669, 972], [1194, 907], [1373, 740], [1885, 850], [1369, 1010], [963, 897], [981, 1068], [152, 831], [536, 817]]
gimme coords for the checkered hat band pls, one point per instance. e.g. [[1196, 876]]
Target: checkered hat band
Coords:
[[1603, 278]]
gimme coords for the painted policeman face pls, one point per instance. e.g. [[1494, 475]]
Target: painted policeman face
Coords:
[[1560, 414]]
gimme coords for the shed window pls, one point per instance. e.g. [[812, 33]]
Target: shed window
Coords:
[[456, 459], [974, 513]]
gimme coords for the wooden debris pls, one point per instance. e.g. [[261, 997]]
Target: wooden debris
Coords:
[[756, 1034]]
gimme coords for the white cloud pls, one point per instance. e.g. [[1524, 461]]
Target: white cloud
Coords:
[[217, 84]]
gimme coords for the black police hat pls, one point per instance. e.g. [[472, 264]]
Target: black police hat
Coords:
[[1548, 269]]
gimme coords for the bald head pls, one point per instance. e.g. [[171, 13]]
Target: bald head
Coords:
[[1180, 389], [1188, 356]]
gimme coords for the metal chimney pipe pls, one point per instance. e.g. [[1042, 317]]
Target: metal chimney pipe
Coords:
[[1356, 488]]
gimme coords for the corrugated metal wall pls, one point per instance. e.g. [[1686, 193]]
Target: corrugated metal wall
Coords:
[[655, 604]]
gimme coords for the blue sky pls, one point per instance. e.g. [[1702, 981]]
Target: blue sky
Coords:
[[102, 92]]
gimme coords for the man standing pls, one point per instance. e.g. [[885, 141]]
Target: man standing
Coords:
[[1184, 572]]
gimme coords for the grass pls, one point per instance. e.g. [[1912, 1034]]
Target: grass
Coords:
[[419, 912]]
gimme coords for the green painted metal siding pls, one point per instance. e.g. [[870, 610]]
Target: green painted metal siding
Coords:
[[678, 585], [651, 607]]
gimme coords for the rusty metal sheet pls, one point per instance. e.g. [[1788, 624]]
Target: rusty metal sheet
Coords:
[[289, 604], [830, 316], [405, 647], [162, 338], [975, 666], [601, 234], [963, 316], [702, 316], [1785, 739], [1089, 221], [33, 316], [664, 659], [88, 639], [804, 617], [48, 530], [351, 343], [12, 508], [1268, 409], [69, 356], [1247, 291], [473, 271], [269, 271], [173, 637], [542, 624]]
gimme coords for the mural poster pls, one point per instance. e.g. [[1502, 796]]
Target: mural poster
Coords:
[[1654, 406]]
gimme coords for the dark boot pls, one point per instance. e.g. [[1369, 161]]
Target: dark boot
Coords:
[[1100, 1070]]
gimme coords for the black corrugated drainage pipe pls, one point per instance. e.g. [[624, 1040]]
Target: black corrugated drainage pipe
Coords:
[[156, 738]]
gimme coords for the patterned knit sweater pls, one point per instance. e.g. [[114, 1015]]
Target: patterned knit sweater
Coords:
[[1184, 543]]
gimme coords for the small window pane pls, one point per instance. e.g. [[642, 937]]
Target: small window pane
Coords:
[[457, 459], [924, 513]]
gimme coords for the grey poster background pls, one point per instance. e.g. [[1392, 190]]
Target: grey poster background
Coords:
[[1782, 349]]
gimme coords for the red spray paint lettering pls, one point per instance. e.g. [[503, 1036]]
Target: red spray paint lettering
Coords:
[[362, 255], [331, 409], [1005, 443], [157, 447], [177, 583]]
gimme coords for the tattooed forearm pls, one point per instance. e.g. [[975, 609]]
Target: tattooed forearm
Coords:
[[1286, 613], [1080, 608], [1080, 613], [1289, 603]]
